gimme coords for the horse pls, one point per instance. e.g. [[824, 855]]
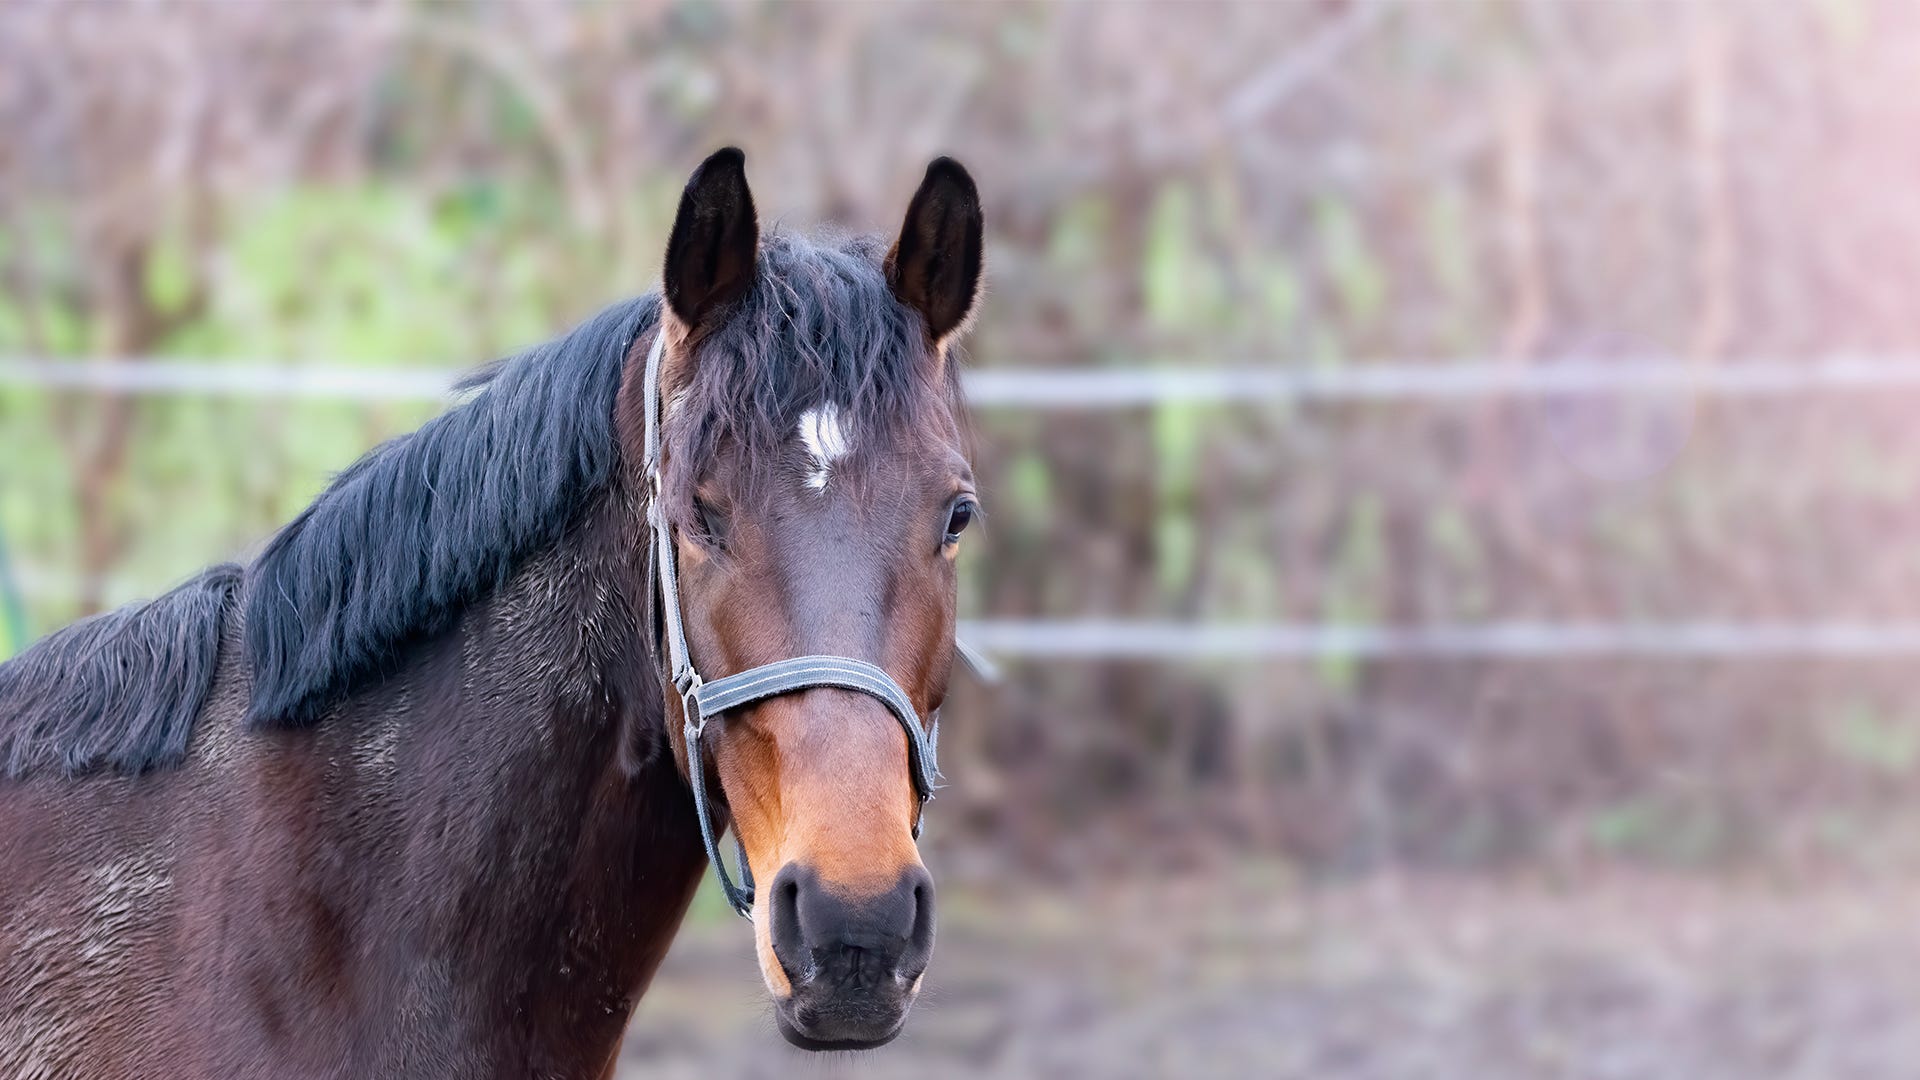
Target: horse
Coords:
[[411, 793]]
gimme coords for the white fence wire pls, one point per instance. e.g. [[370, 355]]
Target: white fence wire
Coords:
[[1044, 388], [1097, 639], [1111, 639]]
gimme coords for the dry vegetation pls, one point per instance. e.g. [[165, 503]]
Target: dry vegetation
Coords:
[[1313, 184]]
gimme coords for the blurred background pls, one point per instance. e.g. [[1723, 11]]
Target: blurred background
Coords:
[[1451, 470]]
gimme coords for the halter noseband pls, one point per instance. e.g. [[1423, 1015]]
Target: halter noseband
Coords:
[[702, 701]]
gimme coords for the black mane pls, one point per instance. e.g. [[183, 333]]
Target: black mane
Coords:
[[429, 523], [118, 690]]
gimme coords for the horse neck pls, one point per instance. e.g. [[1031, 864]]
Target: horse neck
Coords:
[[549, 848]]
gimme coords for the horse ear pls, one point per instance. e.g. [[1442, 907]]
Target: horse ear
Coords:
[[934, 267], [715, 240]]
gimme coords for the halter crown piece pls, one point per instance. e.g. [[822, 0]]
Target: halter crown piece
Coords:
[[702, 701]]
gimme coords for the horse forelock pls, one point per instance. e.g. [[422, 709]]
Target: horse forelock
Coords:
[[818, 336]]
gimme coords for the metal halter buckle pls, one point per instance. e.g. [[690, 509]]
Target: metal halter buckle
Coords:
[[689, 683]]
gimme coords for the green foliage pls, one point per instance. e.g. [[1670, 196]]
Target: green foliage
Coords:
[[1859, 734], [1177, 440], [1184, 289], [1452, 537], [1030, 487], [168, 273], [1078, 246], [13, 612], [1661, 830], [1358, 276], [369, 275], [1280, 293], [709, 906], [1449, 235], [1356, 582], [380, 275]]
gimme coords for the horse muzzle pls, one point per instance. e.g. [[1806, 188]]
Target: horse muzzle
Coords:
[[854, 962]]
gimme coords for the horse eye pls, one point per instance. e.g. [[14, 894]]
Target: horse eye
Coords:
[[712, 523], [959, 518]]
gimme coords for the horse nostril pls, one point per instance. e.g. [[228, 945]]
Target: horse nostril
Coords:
[[826, 936], [920, 942], [789, 941]]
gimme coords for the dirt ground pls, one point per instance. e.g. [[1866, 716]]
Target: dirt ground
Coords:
[[1621, 980]]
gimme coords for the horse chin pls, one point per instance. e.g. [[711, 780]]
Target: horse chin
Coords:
[[808, 1029]]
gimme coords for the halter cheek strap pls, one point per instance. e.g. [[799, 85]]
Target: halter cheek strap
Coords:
[[702, 701]]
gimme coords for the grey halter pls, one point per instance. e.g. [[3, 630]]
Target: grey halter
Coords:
[[703, 701]]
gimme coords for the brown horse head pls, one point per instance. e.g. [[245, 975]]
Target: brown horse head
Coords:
[[815, 476]]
